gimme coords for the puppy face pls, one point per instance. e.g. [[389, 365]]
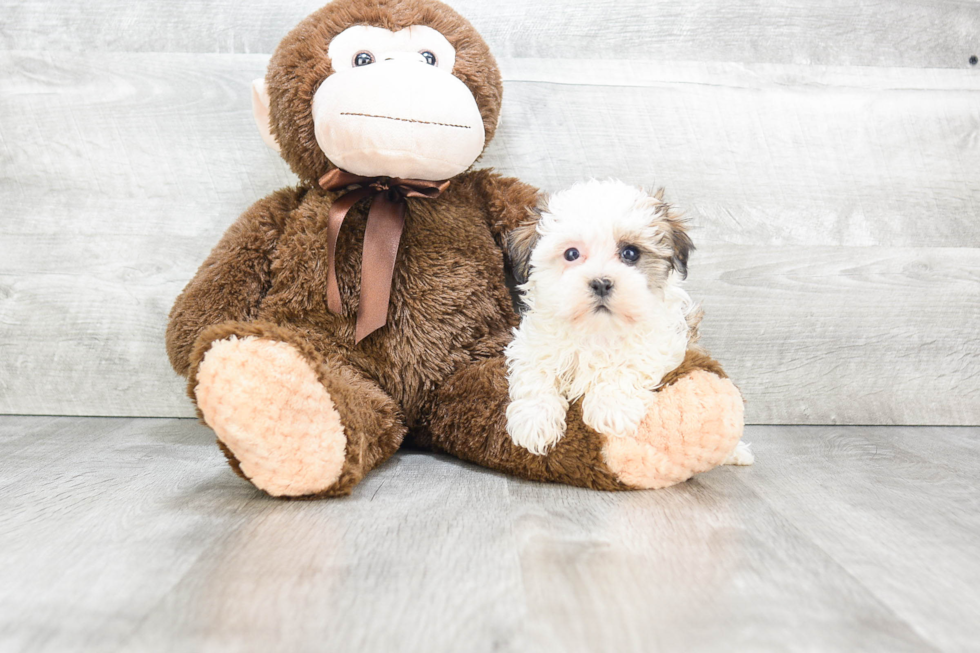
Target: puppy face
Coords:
[[600, 254]]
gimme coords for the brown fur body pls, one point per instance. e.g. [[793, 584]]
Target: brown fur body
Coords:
[[449, 301]]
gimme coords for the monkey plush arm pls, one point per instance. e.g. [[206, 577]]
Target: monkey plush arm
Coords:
[[509, 201], [232, 281]]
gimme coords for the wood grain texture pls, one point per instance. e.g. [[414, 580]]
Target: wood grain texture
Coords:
[[903, 495], [117, 179], [777, 155], [915, 33], [835, 211], [845, 335], [758, 155], [121, 534]]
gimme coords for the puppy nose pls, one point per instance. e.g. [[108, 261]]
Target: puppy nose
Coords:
[[601, 287]]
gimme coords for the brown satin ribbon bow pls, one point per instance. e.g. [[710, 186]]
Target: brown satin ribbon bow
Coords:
[[383, 232]]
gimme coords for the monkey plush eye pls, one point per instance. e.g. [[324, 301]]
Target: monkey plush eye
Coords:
[[629, 254], [571, 254], [363, 59], [429, 57]]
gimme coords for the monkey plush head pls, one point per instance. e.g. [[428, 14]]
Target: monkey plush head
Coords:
[[387, 88]]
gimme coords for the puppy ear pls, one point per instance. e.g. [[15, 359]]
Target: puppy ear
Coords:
[[680, 242], [682, 245], [520, 243]]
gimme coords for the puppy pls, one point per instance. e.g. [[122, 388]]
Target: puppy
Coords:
[[606, 317]]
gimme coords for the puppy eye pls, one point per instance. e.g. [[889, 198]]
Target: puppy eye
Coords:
[[363, 59], [429, 57], [571, 254], [629, 254]]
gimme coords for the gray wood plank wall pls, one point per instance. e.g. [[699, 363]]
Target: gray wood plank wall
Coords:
[[827, 154]]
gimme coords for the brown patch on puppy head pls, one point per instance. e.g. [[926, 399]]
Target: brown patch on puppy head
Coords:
[[682, 244], [674, 228], [656, 270], [300, 64], [520, 245]]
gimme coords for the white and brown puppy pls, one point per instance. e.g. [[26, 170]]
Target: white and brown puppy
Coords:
[[606, 317]]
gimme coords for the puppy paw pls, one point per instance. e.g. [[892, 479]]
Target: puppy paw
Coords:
[[740, 455], [536, 424], [618, 415]]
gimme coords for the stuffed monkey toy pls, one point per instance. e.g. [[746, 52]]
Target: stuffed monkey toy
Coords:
[[367, 307]]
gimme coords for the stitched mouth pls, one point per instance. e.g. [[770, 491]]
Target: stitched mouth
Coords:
[[421, 122]]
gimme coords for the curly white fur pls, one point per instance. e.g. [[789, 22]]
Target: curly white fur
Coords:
[[611, 350]]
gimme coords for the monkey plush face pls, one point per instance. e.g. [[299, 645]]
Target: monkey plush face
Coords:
[[393, 107], [394, 88]]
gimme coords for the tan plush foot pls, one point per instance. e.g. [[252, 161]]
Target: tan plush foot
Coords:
[[690, 427], [266, 404]]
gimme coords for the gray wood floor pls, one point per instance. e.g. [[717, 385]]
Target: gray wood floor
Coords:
[[131, 534]]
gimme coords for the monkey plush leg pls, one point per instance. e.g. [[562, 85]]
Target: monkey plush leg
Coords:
[[293, 422], [691, 426]]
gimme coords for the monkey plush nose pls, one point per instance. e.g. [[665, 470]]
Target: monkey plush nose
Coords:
[[601, 287]]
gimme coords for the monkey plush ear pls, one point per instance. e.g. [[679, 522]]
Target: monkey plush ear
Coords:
[[520, 245], [260, 109]]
